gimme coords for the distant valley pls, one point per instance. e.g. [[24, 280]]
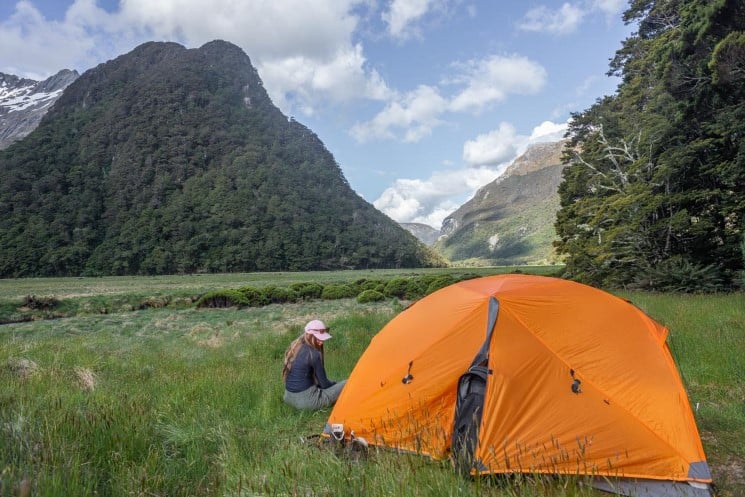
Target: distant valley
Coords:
[[509, 221]]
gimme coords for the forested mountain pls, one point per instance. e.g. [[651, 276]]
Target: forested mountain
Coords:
[[168, 160], [510, 220], [655, 195]]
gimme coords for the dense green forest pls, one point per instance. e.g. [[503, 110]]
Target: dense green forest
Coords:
[[167, 160], [654, 194]]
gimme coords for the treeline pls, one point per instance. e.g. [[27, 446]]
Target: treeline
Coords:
[[174, 161], [654, 196]]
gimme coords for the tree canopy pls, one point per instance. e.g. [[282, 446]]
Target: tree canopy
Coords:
[[654, 193]]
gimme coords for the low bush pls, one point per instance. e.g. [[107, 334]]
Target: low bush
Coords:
[[415, 289], [279, 294], [307, 291], [370, 296], [254, 297], [333, 292], [440, 282], [366, 284], [680, 275], [396, 287]]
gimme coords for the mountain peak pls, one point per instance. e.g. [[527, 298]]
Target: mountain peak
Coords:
[[510, 220], [23, 102], [537, 156]]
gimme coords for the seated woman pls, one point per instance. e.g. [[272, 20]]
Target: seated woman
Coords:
[[303, 372]]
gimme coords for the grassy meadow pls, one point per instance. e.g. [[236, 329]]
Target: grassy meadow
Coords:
[[120, 398]]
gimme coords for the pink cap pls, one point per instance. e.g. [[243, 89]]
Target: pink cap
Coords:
[[318, 329]]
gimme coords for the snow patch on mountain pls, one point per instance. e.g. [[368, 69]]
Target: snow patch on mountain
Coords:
[[23, 102]]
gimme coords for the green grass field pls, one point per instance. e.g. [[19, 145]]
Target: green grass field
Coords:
[[181, 401]]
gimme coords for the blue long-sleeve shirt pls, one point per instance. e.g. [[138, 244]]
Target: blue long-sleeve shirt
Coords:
[[307, 370]]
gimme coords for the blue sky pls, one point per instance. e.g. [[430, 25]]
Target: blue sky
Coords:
[[421, 102]]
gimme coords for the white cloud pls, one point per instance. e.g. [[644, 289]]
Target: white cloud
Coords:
[[491, 148], [548, 131], [610, 7], [271, 28], [303, 50], [561, 21], [402, 15], [408, 118], [430, 201], [492, 79], [42, 47], [413, 116], [305, 82]]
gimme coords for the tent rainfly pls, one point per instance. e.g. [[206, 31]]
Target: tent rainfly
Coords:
[[530, 374]]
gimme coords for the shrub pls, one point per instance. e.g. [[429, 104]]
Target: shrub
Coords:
[[254, 297], [365, 284], [440, 282], [279, 295], [307, 291], [396, 288], [415, 289], [333, 292], [222, 298], [678, 274], [370, 296]]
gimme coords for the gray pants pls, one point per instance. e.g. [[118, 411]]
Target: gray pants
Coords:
[[314, 397]]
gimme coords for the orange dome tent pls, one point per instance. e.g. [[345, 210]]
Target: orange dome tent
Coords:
[[530, 374]]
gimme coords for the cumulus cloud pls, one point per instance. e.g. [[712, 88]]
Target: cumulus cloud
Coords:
[[567, 18], [559, 21], [408, 118], [548, 131], [491, 148], [430, 200], [297, 82], [493, 78], [43, 47], [403, 14], [270, 28], [412, 116]]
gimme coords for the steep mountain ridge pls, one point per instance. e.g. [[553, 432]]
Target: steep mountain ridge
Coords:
[[175, 160], [424, 232], [510, 220], [23, 102]]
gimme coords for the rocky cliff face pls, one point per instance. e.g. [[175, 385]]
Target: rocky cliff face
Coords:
[[23, 102]]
